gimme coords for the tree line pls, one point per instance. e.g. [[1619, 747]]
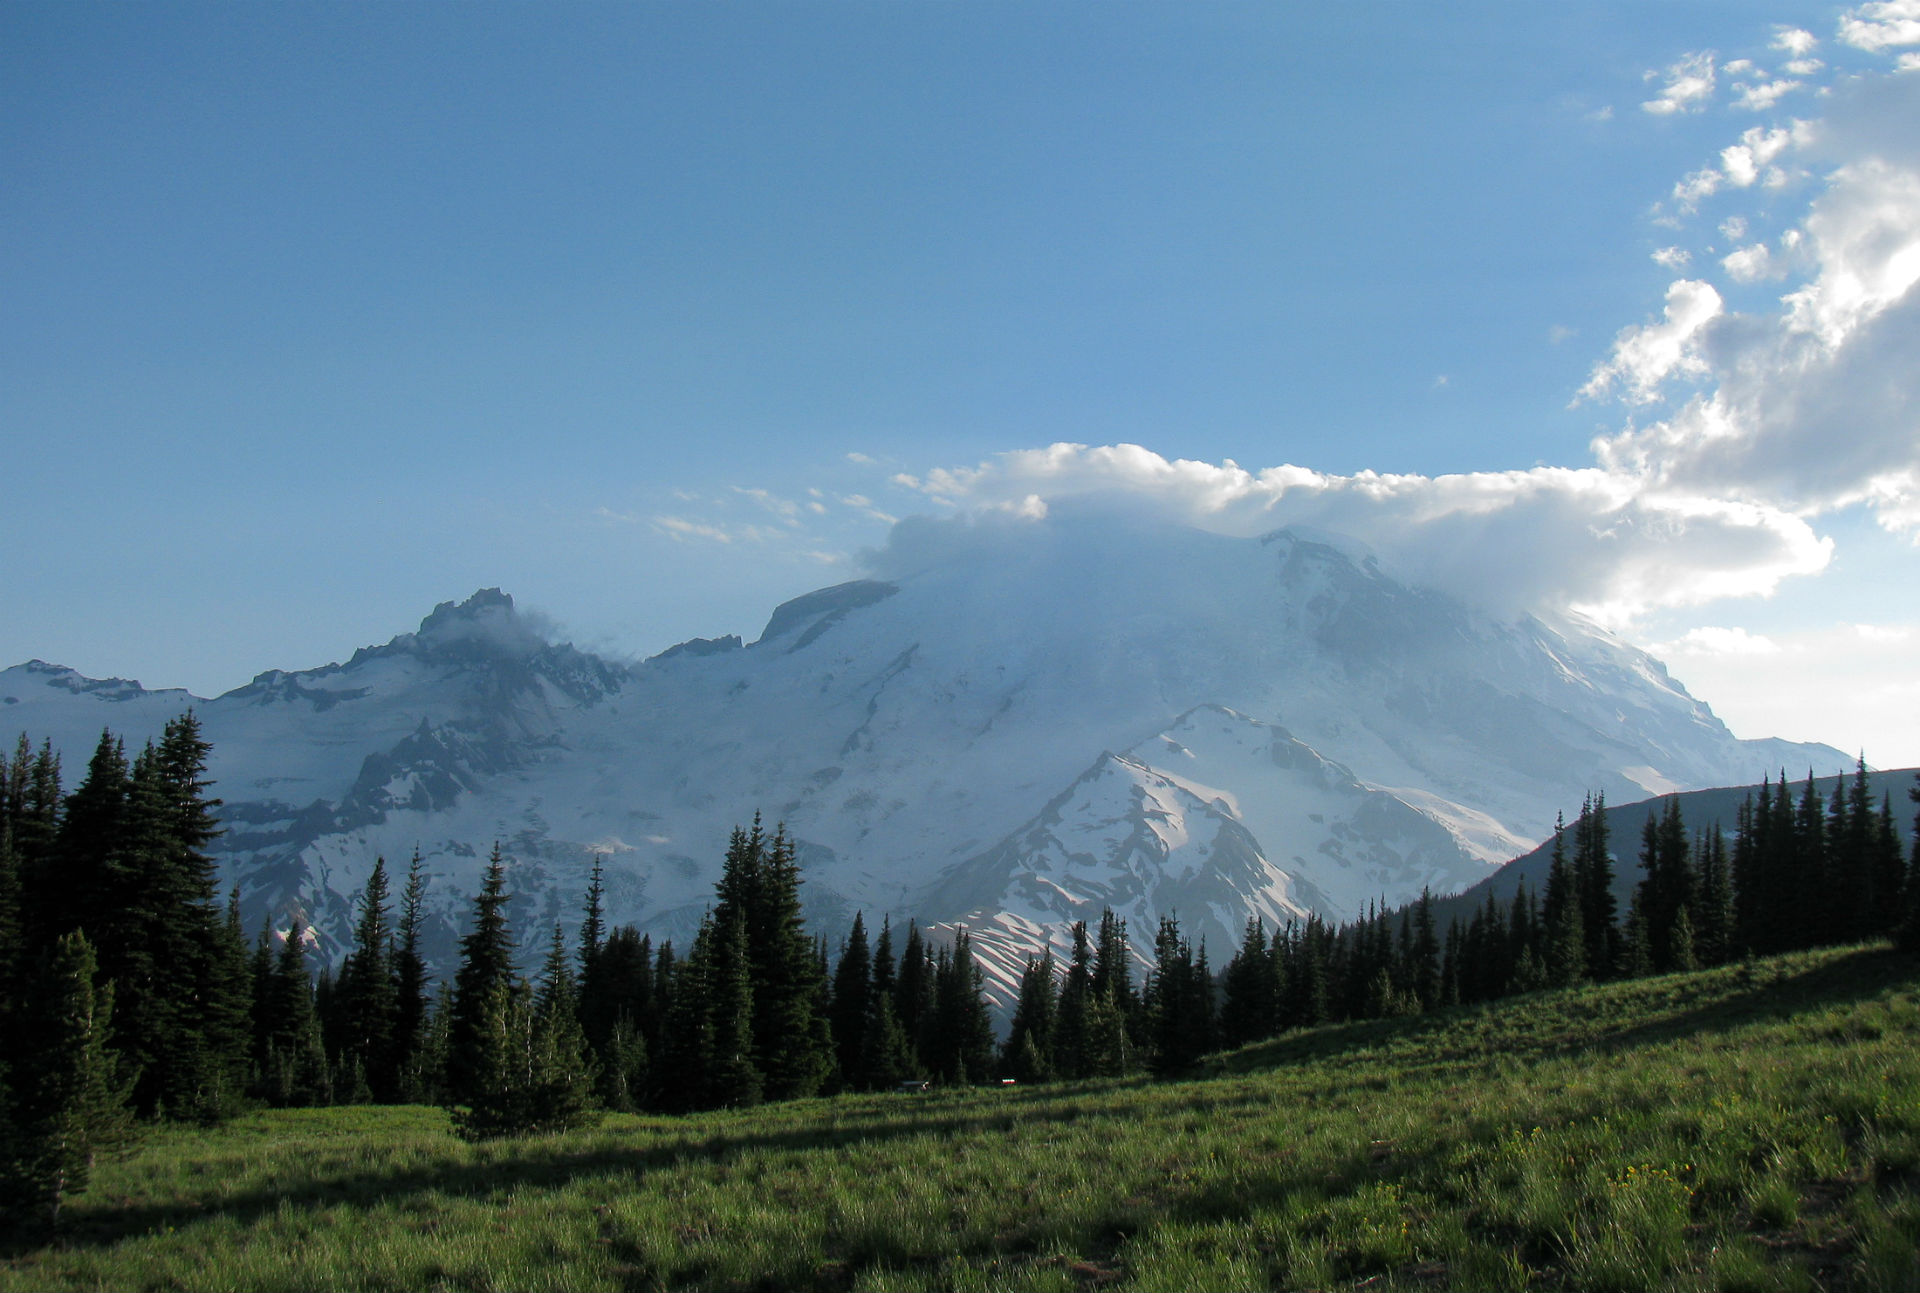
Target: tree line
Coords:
[[1801, 870]]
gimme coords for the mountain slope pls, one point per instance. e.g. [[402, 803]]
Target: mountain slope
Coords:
[[1018, 723]]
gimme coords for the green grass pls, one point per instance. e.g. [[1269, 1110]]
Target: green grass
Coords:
[[1747, 1128]]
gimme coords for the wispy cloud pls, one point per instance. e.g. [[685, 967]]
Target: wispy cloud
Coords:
[[1688, 88]]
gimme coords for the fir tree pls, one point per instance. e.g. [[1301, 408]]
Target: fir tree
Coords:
[[1072, 1040], [964, 1049], [1249, 1012], [1593, 879], [294, 1067], [367, 998], [413, 1073], [1028, 1053], [1566, 957], [851, 1010], [913, 995], [1714, 937], [560, 1071], [69, 1098], [481, 1000]]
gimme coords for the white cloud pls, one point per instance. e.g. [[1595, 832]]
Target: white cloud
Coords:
[[1672, 257], [860, 458], [1795, 41], [1644, 357], [1763, 692], [1758, 147], [681, 529], [1760, 96], [1734, 228], [1877, 27], [1750, 264], [1560, 332], [1804, 67], [1689, 84], [1712, 641], [1703, 183], [1546, 537]]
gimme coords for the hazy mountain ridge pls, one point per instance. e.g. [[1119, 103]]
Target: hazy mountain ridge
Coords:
[[1054, 719]]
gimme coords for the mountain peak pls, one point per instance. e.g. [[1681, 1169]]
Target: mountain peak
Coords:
[[487, 603]]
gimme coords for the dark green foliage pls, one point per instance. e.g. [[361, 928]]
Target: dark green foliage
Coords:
[[1593, 881], [365, 1009], [292, 1063], [962, 1050], [913, 994], [1028, 1053], [1179, 1002], [851, 1011], [1072, 1036], [481, 1000], [519, 1066], [67, 1091], [414, 1076], [1250, 1006]]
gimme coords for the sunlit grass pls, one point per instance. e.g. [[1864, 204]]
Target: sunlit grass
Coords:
[[1753, 1127]]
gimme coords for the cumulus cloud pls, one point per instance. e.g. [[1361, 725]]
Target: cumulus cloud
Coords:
[[1741, 163], [1672, 257], [1795, 41], [1810, 406], [1878, 27], [1689, 85]]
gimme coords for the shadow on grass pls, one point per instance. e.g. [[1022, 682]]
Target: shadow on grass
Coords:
[[540, 1164]]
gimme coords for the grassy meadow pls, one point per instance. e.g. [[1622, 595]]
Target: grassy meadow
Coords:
[[1752, 1127]]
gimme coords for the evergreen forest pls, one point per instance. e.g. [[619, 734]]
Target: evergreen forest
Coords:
[[131, 996]]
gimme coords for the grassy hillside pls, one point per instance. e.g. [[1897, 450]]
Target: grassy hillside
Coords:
[[1753, 1127]]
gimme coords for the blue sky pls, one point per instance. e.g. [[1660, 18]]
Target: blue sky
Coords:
[[655, 315]]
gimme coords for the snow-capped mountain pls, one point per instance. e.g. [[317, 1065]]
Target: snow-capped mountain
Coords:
[[1014, 727]]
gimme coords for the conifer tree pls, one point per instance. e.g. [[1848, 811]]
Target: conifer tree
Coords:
[[1566, 957], [793, 1048], [1887, 873], [1249, 1011], [68, 1095], [560, 1070], [734, 1078], [1072, 1041], [481, 1001], [851, 1009], [963, 1037], [1028, 1053], [1812, 864], [1714, 937], [412, 1073], [913, 995], [294, 1067], [367, 1000]]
